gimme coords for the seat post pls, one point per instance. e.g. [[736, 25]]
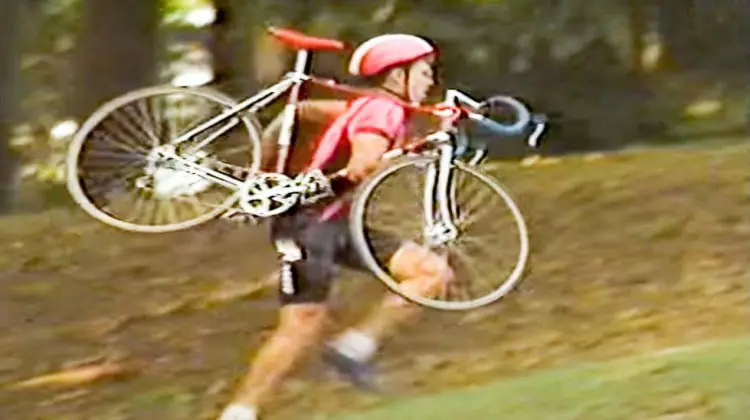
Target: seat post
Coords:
[[302, 61], [301, 65]]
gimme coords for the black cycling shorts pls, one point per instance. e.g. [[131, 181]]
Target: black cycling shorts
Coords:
[[312, 252]]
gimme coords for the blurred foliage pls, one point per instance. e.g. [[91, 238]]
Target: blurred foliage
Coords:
[[610, 72]]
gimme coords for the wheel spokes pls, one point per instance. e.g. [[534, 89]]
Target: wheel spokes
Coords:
[[120, 174], [489, 252]]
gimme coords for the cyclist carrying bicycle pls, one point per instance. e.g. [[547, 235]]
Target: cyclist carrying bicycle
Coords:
[[313, 242]]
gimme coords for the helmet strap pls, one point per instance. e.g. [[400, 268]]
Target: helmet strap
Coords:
[[393, 92], [404, 94], [407, 82]]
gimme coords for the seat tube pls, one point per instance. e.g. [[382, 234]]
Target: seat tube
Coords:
[[286, 135]]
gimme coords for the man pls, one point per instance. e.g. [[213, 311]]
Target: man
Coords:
[[314, 241]]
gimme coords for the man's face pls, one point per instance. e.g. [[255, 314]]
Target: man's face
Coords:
[[421, 79]]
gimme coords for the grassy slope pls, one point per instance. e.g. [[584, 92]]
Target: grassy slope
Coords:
[[705, 382], [631, 254]]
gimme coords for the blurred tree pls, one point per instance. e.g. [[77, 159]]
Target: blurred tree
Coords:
[[10, 58], [117, 51], [638, 20], [581, 60], [231, 44], [677, 26]]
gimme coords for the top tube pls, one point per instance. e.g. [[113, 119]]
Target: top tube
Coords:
[[444, 111]]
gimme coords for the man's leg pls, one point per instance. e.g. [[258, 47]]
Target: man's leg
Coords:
[[304, 285], [421, 272], [300, 328]]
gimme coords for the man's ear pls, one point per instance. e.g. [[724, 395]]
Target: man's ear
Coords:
[[398, 75]]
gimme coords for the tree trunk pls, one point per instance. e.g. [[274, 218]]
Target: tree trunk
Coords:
[[117, 51], [10, 57], [231, 45], [678, 26], [638, 25]]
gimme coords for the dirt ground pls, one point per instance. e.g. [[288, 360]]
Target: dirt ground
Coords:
[[630, 254]]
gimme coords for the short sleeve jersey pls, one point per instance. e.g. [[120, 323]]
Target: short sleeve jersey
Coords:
[[380, 115]]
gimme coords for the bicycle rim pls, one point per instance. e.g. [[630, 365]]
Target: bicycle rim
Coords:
[[358, 228], [74, 182]]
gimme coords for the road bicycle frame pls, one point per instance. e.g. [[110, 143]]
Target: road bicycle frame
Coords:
[[440, 206], [291, 82], [438, 190]]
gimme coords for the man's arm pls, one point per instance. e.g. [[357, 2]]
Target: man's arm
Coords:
[[322, 111], [366, 155], [367, 151]]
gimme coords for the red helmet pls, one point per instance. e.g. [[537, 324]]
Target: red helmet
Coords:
[[377, 54]]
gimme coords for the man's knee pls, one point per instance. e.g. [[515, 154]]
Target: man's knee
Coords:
[[302, 319], [412, 261]]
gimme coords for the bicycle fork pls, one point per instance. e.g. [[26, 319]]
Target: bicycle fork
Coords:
[[439, 206]]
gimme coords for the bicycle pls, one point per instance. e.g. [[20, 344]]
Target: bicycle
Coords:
[[189, 170]]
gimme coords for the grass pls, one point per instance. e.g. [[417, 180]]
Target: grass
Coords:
[[631, 253], [705, 382]]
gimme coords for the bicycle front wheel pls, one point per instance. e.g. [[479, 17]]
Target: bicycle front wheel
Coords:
[[108, 170], [489, 253]]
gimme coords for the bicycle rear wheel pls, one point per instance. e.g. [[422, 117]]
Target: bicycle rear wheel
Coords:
[[489, 254], [110, 175]]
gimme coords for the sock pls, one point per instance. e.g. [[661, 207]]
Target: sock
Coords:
[[356, 345], [239, 412]]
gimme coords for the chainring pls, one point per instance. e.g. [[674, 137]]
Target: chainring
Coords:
[[263, 195]]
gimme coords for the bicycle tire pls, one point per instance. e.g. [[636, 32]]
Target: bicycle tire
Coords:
[[250, 123], [359, 236]]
